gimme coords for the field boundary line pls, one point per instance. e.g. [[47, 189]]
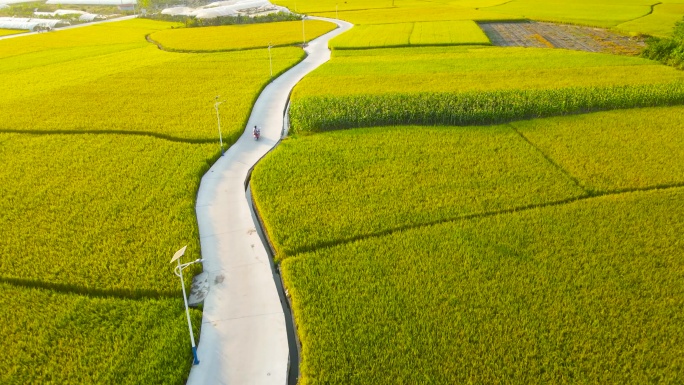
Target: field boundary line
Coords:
[[339, 242], [567, 173], [161, 47], [130, 294], [642, 16], [170, 138]]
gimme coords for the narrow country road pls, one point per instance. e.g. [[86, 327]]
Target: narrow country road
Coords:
[[244, 337]]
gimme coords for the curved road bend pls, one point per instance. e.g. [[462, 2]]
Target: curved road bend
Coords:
[[243, 338]]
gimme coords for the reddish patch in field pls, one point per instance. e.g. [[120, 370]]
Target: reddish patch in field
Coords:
[[546, 35]]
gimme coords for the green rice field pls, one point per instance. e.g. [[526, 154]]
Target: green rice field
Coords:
[[469, 85], [464, 32]]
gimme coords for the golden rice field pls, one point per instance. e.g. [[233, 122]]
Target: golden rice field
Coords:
[[103, 142], [464, 32], [238, 37], [630, 16], [5, 32], [659, 23], [588, 292], [467, 85], [178, 105], [543, 250]]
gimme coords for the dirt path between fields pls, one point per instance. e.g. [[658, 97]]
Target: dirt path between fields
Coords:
[[551, 35]]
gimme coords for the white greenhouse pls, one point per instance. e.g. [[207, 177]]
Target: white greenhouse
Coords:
[[31, 24]]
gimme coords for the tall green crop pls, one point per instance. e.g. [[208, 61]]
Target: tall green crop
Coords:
[[323, 113]]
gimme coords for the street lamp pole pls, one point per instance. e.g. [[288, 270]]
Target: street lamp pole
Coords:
[[179, 272], [218, 119], [270, 59], [303, 35]]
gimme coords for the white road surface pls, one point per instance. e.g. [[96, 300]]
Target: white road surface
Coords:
[[243, 338]]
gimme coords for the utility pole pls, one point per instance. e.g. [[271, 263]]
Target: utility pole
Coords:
[[218, 119], [270, 59]]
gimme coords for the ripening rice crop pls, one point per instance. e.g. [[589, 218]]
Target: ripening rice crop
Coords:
[[103, 140], [587, 292], [140, 89], [238, 37], [601, 13], [374, 36], [309, 6], [616, 150], [423, 11], [472, 108], [5, 32], [366, 182], [459, 69], [447, 86], [61, 338], [447, 33], [106, 211], [411, 34], [659, 23], [116, 36]]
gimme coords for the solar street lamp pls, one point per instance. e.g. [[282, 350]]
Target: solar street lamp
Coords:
[[218, 119], [270, 60], [178, 270], [303, 35]]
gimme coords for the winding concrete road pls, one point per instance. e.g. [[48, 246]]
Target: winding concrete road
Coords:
[[244, 337]]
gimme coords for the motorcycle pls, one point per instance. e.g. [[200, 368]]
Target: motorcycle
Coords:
[[256, 133]]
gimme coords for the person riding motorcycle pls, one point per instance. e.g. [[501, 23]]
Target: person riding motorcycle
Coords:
[[256, 132]]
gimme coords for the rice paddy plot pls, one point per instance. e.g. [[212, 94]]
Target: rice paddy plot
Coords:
[[615, 150], [309, 6], [165, 94], [448, 33], [98, 35], [107, 211], [423, 12], [238, 37], [460, 69], [63, 338], [6, 32], [601, 13], [374, 36], [588, 291], [370, 181], [411, 34], [659, 23]]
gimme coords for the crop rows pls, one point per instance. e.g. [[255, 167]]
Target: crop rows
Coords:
[[372, 181], [587, 292], [107, 211], [313, 114], [59, 338], [237, 37], [459, 69], [116, 93], [614, 150], [103, 142], [411, 34]]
